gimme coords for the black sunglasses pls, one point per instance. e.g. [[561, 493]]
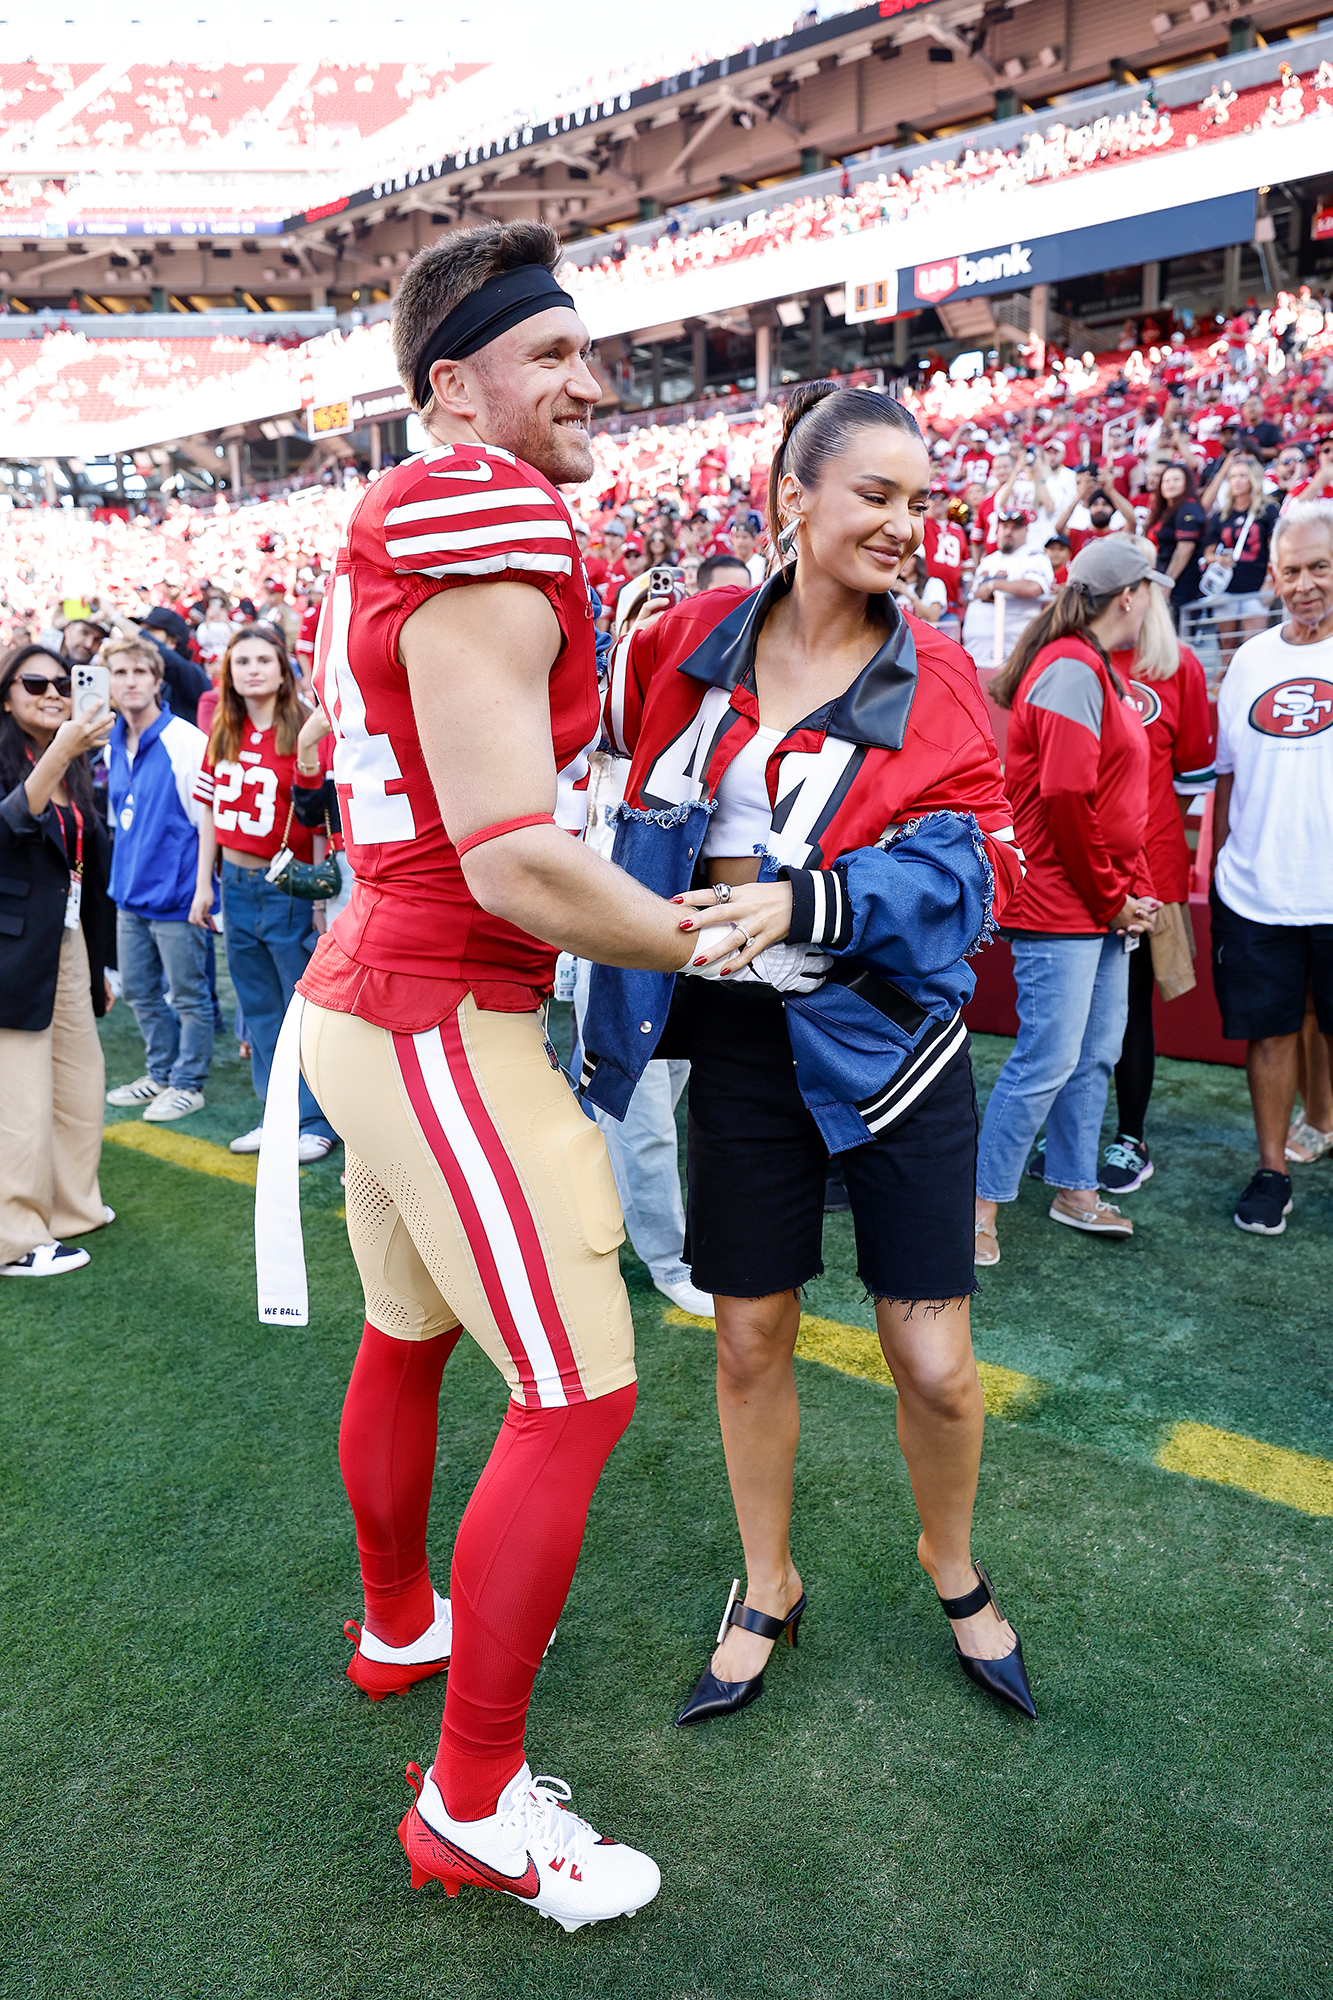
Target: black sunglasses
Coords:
[[37, 684]]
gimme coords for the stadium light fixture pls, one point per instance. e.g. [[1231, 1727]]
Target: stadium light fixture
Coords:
[[1161, 25]]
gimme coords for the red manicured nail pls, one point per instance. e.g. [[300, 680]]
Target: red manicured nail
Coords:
[[678, 899], [726, 972], [688, 924], [701, 961]]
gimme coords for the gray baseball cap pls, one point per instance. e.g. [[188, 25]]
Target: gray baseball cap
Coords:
[[1112, 563]]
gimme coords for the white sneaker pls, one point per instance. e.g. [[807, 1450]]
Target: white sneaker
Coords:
[[249, 1142], [173, 1104], [379, 1669], [142, 1091], [532, 1847], [689, 1298], [48, 1260], [312, 1146]]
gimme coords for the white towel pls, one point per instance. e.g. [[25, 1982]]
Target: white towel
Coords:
[[279, 1247]]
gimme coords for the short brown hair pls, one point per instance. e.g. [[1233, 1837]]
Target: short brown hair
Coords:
[[440, 277], [145, 649]]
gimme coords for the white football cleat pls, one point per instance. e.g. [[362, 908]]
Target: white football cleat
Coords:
[[531, 1847], [379, 1669]]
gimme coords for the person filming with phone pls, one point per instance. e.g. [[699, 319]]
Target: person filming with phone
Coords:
[[56, 939]]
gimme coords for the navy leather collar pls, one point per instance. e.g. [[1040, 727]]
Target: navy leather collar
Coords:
[[875, 709]]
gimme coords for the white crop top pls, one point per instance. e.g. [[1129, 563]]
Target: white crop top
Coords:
[[743, 818]]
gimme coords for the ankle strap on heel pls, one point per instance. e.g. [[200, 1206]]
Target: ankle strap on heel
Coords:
[[974, 1600], [758, 1622]]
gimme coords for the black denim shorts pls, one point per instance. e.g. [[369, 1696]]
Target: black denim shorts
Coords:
[[756, 1165]]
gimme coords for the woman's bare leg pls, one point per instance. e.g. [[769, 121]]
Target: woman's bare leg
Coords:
[[761, 1423], [941, 1416]]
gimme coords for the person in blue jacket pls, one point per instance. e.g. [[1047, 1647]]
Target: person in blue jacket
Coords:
[[819, 763], [153, 761]]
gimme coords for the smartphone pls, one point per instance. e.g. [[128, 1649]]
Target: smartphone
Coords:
[[92, 690], [662, 581]]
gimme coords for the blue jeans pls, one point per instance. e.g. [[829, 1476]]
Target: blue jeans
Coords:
[[645, 1158], [160, 958], [269, 937], [1073, 1001]]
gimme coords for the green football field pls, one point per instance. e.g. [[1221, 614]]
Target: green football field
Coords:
[[195, 1800]]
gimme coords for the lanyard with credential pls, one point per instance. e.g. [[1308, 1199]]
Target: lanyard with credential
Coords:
[[74, 900]]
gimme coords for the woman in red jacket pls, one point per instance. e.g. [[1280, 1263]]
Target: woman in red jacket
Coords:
[[1171, 690], [1077, 773]]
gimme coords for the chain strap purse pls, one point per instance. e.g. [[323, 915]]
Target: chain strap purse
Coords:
[[312, 881]]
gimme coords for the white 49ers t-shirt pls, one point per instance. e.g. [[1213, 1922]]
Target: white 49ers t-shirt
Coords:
[[1275, 736]]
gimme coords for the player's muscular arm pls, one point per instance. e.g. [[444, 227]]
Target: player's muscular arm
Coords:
[[478, 662]]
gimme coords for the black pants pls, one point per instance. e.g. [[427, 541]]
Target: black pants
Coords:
[[1138, 1054]]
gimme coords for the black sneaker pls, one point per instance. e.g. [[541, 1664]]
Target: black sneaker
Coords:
[[1126, 1165], [1266, 1203], [1036, 1166], [836, 1198]]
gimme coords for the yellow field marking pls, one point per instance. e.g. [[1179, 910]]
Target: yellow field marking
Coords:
[[178, 1149], [1292, 1478], [854, 1351]]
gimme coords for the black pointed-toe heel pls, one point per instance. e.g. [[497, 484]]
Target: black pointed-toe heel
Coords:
[[713, 1697], [1006, 1679]]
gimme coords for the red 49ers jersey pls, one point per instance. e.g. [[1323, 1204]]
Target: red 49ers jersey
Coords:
[[413, 939], [945, 552]]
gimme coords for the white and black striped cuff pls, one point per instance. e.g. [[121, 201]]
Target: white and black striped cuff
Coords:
[[927, 1062], [821, 909]]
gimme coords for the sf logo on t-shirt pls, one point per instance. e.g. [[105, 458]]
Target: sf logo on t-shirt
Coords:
[[1294, 708], [1147, 701]]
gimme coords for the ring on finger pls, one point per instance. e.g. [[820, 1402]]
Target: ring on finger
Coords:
[[745, 934], [721, 892]]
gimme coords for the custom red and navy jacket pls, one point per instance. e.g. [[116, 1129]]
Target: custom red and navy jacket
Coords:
[[890, 820]]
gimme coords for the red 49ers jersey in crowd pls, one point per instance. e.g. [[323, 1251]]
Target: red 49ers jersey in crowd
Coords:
[[945, 551], [413, 939]]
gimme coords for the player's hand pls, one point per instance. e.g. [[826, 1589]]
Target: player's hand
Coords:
[[759, 910]]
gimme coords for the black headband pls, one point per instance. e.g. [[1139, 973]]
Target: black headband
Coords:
[[503, 301]]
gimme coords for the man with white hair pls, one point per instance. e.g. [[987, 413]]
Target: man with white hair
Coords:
[[1272, 895]]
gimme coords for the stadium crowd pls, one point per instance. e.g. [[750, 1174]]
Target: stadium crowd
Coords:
[[1189, 450], [1056, 154]]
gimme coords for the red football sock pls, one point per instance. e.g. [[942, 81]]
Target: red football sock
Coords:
[[386, 1449], [514, 1558]]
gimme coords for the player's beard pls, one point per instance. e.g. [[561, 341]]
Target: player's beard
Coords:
[[562, 455]]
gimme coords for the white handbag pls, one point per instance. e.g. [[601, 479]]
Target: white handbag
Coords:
[[1217, 577]]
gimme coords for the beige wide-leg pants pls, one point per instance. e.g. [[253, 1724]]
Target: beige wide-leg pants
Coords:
[[52, 1090]]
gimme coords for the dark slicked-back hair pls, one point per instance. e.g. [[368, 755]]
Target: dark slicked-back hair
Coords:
[[439, 278]]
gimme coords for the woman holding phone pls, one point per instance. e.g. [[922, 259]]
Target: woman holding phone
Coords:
[[813, 768], [57, 935]]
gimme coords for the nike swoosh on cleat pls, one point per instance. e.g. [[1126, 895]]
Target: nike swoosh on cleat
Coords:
[[527, 1885], [479, 472]]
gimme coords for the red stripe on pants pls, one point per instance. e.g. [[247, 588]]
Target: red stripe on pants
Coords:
[[516, 1202], [409, 1064]]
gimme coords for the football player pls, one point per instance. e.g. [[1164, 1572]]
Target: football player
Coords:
[[456, 662]]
